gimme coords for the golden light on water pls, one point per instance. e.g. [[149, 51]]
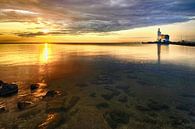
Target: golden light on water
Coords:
[[45, 54]]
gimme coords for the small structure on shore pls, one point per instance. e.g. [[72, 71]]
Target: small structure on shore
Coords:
[[162, 38]]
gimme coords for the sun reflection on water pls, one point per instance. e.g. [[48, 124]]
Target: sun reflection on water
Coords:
[[45, 54]]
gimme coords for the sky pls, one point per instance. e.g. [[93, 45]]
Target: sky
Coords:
[[95, 20]]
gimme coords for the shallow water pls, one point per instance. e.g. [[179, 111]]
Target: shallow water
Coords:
[[153, 84]]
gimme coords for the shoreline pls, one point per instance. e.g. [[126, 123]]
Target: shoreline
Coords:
[[173, 43], [125, 43]]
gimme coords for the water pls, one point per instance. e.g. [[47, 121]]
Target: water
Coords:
[[152, 84]]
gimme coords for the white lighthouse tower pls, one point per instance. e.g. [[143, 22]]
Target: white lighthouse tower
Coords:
[[158, 35]]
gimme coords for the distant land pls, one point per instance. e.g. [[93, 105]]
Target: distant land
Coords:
[[183, 43]]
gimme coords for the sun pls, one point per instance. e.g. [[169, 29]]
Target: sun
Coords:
[[45, 31]]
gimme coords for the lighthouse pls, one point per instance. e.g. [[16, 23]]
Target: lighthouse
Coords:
[[162, 38], [159, 35]]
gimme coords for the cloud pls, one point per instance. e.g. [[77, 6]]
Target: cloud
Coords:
[[30, 34], [40, 33], [84, 16]]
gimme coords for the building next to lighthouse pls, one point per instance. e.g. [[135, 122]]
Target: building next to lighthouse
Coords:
[[162, 38]]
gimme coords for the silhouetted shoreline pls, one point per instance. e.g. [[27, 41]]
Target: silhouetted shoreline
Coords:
[[174, 43]]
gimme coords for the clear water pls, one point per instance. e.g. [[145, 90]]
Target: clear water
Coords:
[[157, 74]]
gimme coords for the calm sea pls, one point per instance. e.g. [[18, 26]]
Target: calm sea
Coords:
[[157, 74]]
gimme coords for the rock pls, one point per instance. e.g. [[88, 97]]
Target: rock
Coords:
[[123, 87], [52, 121], [51, 93], [88, 118], [34, 86], [2, 109], [178, 120], [1, 82], [109, 96], [102, 105], [82, 85], [73, 101], [153, 105], [55, 105], [192, 113], [93, 94], [184, 107], [116, 118], [142, 108], [123, 99], [23, 105], [8, 89]]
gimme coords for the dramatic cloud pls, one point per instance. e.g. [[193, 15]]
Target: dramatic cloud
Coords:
[[83, 16]]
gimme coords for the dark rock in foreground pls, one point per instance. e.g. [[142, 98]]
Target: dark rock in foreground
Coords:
[[178, 120], [24, 104], [73, 101], [51, 93], [7, 89], [123, 99], [115, 118], [93, 94], [2, 109], [142, 108], [109, 96], [34, 86], [153, 105], [52, 121], [192, 113], [102, 105]]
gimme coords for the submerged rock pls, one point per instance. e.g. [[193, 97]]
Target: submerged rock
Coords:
[[56, 105], [192, 113], [1, 82], [178, 120], [34, 86], [73, 101], [102, 105], [115, 118], [123, 99], [52, 121], [93, 94], [2, 109], [109, 96], [142, 108], [8, 89], [153, 105], [23, 105], [51, 93]]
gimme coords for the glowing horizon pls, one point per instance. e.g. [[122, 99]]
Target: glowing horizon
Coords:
[[103, 21]]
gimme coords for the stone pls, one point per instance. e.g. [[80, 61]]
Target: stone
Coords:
[[177, 120], [123, 99], [1, 82], [56, 105], [93, 94], [153, 105], [2, 109], [116, 118], [73, 101], [51, 93], [52, 121], [142, 108], [23, 105], [102, 105], [109, 96], [34, 86], [8, 89], [192, 113]]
